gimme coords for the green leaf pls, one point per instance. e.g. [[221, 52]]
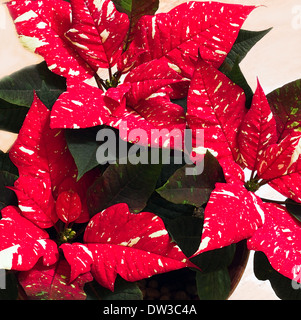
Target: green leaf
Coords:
[[285, 103], [193, 189], [135, 9], [7, 196], [83, 146], [236, 75], [166, 209], [11, 116], [282, 286], [293, 208], [11, 286], [186, 231], [215, 260], [123, 290], [245, 41], [17, 88], [123, 183], [214, 285], [6, 164]]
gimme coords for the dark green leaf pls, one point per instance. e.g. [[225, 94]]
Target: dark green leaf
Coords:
[[17, 88], [293, 208], [83, 146], [124, 183], [193, 189], [6, 164], [11, 286], [135, 9], [214, 285], [166, 209], [285, 103], [186, 231], [282, 286], [214, 260], [245, 41], [11, 116], [123, 290], [238, 78], [7, 196]]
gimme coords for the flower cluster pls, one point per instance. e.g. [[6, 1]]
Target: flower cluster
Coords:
[[52, 238]]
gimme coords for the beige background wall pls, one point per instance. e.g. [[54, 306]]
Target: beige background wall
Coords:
[[276, 60]]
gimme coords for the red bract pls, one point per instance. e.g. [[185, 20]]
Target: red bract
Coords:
[[22, 243], [68, 206], [83, 106], [216, 105], [232, 214], [135, 246], [52, 283], [41, 27], [258, 130], [45, 164], [97, 32], [178, 35], [279, 239]]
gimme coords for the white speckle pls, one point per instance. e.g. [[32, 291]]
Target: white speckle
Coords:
[[158, 233], [202, 150], [26, 16], [220, 52], [6, 257], [53, 66], [258, 208], [218, 86], [98, 3], [28, 151], [197, 92], [42, 243], [270, 117], [78, 103], [153, 27], [41, 25], [174, 67], [104, 35], [26, 209], [160, 263], [65, 108], [73, 72], [31, 43], [204, 244], [133, 241]]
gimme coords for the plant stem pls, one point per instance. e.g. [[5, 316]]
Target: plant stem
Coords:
[[100, 83]]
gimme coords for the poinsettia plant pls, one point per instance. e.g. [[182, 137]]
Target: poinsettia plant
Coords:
[[78, 221]]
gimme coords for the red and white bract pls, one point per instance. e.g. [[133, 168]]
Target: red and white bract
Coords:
[[279, 240], [97, 32], [135, 246], [216, 105], [68, 206], [53, 283], [178, 36], [44, 163], [162, 122], [41, 26], [281, 159], [258, 130], [231, 215], [22, 243], [84, 106]]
